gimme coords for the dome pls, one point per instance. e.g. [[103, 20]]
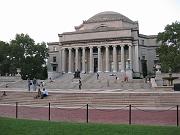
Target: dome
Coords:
[[108, 16]]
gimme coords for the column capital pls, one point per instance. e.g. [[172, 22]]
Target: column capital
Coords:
[[90, 47], [114, 46], [106, 46], [135, 42], [69, 48], [83, 47], [130, 44], [63, 48], [122, 45], [98, 46]]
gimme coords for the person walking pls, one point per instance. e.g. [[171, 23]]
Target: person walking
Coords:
[[29, 84], [80, 84], [34, 84], [97, 75]]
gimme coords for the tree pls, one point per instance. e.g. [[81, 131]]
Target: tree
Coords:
[[29, 57], [4, 62], [169, 50]]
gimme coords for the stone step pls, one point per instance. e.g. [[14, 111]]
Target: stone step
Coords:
[[101, 99]]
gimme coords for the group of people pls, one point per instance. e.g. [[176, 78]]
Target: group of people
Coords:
[[42, 94], [42, 91]]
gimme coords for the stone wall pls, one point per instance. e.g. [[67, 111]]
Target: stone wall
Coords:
[[9, 78]]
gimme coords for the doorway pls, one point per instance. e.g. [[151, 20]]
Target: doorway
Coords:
[[95, 65]]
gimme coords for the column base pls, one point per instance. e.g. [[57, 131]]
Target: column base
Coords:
[[106, 71], [114, 70], [83, 72], [99, 71], [91, 72], [122, 71], [69, 72]]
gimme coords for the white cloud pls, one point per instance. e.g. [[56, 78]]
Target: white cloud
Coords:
[[44, 19]]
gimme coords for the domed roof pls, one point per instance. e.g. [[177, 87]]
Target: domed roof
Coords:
[[108, 16]]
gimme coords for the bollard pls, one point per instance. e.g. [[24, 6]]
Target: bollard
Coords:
[[49, 112], [87, 113], [129, 114], [16, 110], [177, 115]]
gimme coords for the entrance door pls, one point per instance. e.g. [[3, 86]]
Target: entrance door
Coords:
[[95, 65], [144, 67]]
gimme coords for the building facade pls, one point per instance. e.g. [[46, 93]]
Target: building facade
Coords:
[[106, 42]]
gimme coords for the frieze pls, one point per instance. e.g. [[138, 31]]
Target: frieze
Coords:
[[98, 40]]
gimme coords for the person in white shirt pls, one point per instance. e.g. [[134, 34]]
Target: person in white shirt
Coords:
[[44, 93]]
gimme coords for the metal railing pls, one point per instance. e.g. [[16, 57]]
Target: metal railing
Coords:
[[128, 114]]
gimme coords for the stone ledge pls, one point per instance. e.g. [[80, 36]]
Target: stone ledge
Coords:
[[164, 88], [9, 78]]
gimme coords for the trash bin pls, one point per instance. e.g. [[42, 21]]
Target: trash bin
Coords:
[[177, 87]]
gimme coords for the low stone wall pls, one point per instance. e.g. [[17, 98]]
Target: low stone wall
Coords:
[[161, 88], [54, 75], [9, 78], [164, 88]]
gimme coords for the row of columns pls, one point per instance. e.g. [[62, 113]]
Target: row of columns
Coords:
[[99, 59]]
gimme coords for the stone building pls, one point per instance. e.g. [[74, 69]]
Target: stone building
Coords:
[[106, 42]]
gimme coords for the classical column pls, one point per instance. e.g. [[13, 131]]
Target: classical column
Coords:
[[99, 58], [130, 56], [107, 58], [136, 67], [76, 60], [70, 62], [63, 60], [83, 60], [122, 58], [114, 59], [91, 60]]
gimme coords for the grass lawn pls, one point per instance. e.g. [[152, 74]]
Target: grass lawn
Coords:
[[10, 126]]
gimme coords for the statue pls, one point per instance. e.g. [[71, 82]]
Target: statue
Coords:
[[77, 74]]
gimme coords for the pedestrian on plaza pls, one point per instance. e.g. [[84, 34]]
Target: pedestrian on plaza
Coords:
[[34, 84], [50, 80], [126, 78], [80, 84], [97, 75], [29, 84], [39, 93], [4, 93], [6, 85]]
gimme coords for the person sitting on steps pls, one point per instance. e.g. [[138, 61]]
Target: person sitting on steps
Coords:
[[4, 93], [44, 93], [39, 93]]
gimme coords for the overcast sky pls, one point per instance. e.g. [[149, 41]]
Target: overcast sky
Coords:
[[44, 19]]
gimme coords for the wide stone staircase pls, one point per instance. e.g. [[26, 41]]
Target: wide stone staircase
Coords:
[[96, 99], [89, 81]]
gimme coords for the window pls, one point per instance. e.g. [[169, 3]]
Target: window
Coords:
[[54, 48], [143, 57], [142, 42], [54, 68], [54, 59]]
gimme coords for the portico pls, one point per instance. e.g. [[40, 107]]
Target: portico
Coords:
[[91, 58]]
